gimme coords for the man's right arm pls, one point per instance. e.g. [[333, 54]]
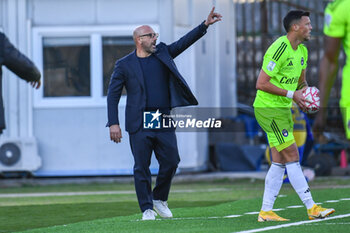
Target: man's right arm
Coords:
[[263, 83], [187, 40], [114, 93]]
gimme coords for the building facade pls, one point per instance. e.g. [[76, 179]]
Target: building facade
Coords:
[[75, 44]]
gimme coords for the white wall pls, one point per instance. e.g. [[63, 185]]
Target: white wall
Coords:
[[103, 12], [94, 12], [209, 69], [2, 13], [74, 140], [15, 91]]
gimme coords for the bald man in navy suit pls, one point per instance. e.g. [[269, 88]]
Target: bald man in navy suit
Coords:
[[152, 82]]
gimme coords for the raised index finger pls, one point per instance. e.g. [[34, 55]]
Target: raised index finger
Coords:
[[212, 10]]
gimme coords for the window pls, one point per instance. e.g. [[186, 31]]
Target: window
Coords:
[[114, 48], [66, 67], [77, 62]]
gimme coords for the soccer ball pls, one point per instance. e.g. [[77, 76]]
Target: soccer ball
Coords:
[[312, 94]]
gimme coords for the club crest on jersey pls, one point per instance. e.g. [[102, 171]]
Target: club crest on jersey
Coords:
[[327, 19], [285, 133], [271, 66], [302, 61]]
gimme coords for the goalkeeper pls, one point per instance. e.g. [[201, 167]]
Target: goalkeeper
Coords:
[[282, 80]]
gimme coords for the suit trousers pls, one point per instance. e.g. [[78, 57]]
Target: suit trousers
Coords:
[[164, 145]]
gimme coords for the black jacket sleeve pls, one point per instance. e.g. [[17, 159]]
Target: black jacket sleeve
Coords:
[[17, 62]]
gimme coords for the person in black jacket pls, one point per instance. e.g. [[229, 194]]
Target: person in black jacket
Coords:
[[152, 82], [19, 64]]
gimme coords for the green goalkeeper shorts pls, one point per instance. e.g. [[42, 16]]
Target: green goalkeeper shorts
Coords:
[[346, 119], [345, 100], [277, 124]]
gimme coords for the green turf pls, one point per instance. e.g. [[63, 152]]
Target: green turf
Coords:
[[120, 212]]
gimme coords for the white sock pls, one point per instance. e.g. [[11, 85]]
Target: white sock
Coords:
[[298, 181], [273, 184]]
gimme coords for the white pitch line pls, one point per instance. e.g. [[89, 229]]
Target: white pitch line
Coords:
[[293, 224], [277, 209], [188, 218], [232, 216], [63, 194], [251, 213], [332, 223], [194, 218], [200, 190], [332, 201], [48, 194], [294, 206]]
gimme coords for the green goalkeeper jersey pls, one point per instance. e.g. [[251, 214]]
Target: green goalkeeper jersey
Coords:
[[337, 24], [284, 65]]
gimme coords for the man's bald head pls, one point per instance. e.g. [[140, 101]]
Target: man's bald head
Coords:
[[145, 40], [141, 30]]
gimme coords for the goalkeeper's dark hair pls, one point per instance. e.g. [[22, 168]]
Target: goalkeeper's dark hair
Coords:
[[292, 17]]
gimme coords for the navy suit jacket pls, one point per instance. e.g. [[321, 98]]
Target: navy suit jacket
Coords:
[[127, 72]]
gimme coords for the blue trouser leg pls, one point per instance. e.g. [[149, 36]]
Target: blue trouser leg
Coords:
[[141, 146], [165, 147], [168, 158]]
